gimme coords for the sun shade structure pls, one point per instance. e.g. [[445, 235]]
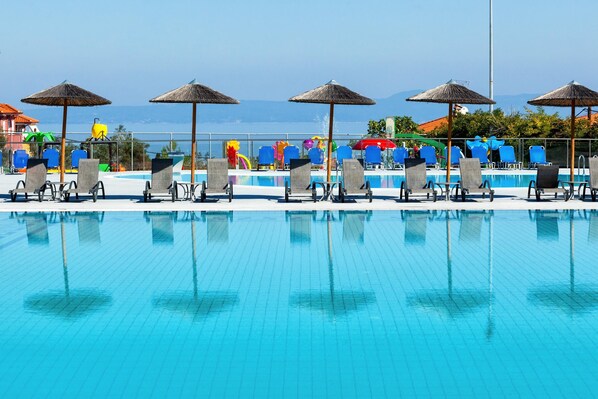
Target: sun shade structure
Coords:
[[331, 93], [65, 95], [194, 93], [384, 144], [571, 95], [451, 93]]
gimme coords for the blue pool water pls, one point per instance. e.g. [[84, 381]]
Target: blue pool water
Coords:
[[299, 304], [376, 181]]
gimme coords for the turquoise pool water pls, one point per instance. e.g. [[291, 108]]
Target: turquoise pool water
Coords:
[[299, 304], [376, 181]]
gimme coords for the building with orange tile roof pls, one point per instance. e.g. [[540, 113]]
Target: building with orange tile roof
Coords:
[[13, 123], [427, 127]]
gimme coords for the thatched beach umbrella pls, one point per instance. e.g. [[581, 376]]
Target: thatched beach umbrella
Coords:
[[571, 95], [451, 93], [331, 93], [65, 95], [194, 93]]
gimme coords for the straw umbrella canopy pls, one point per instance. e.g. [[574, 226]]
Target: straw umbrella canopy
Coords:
[[451, 93], [194, 93], [64, 95], [331, 93], [571, 95]]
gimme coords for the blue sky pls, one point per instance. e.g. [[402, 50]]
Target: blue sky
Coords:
[[130, 51]]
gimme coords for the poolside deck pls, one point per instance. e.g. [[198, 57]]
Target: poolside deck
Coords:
[[126, 195]]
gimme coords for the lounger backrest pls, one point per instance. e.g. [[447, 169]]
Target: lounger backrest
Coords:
[[76, 156], [161, 173], [316, 155], [343, 152], [37, 173], [507, 154], [290, 152], [547, 176], [415, 173], [89, 173], [266, 155], [353, 175], [455, 154], [373, 154], [593, 172], [399, 154], [217, 173], [537, 154], [300, 174], [480, 153], [53, 156], [471, 173], [429, 154], [20, 158]]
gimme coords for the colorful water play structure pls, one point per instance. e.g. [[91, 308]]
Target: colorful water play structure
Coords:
[[234, 157]]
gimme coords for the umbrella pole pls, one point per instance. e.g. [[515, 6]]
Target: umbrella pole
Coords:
[[194, 120], [449, 144], [63, 143], [572, 140], [329, 149]]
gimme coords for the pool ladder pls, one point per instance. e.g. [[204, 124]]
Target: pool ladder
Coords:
[[581, 166]]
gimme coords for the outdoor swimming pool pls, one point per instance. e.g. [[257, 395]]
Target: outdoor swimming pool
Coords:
[[515, 179], [302, 304]]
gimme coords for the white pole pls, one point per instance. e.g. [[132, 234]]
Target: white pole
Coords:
[[491, 58]]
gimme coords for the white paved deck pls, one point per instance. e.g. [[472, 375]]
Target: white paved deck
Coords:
[[126, 195]]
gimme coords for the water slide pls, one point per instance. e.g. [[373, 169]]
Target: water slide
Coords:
[[412, 136]]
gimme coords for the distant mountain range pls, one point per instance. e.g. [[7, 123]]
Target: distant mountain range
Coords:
[[254, 111]]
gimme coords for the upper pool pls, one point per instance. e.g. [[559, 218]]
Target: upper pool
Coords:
[[515, 179], [299, 304]]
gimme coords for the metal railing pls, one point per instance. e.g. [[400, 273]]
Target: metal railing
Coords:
[[211, 145]]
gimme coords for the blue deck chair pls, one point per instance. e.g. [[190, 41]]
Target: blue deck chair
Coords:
[[19, 159], [429, 154], [455, 155], [265, 157], [53, 157], [316, 156], [507, 157], [398, 157], [537, 156], [373, 156], [290, 152], [76, 155], [482, 154], [343, 152]]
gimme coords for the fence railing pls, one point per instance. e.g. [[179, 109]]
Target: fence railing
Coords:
[[135, 153]]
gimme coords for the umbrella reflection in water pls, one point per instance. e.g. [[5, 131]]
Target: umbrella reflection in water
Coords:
[[458, 302], [333, 302], [197, 305], [570, 298], [68, 304]]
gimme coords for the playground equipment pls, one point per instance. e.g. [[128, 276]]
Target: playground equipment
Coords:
[[99, 131], [426, 141], [234, 157], [491, 143]]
